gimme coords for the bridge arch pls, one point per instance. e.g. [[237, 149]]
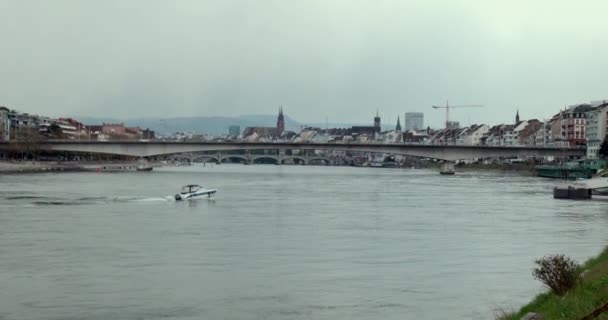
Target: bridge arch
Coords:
[[230, 157], [324, 161], [205, 159], [295, 160], [265, 158]]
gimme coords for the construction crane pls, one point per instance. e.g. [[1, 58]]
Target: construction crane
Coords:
[[447, 108]]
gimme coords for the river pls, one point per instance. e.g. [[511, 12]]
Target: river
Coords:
[[282, 242]]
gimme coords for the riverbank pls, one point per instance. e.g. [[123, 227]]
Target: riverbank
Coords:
[[8, 167], [17, 167], [589, 295]]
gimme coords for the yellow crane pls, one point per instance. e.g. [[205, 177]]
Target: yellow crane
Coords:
[[447, 108]]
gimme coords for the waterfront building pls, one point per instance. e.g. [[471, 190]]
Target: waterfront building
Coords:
[[447, 136], [234, 131], [556, 131], [21, 122], [4, 124], [542, 136], [512, 135], [80, 127], [392, 136], [573, 124], [112, 129], [528, 134], [473, 135], [57, 129], [262, 134], [596, 123], [133, 133], [67, 128], [414, 121], [413, 136], [497, 135], [115, 131]]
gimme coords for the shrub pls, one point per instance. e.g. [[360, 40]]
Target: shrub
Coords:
[[558, 272]]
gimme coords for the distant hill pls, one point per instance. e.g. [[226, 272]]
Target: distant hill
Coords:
[[209, 125]]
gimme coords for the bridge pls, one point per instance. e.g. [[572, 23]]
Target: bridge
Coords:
[[220, 157], [147, 149]]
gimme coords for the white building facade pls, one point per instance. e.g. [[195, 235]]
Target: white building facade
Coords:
[[414, 121], [596, 123]]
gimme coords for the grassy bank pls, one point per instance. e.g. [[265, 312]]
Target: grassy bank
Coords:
[[589, 295]]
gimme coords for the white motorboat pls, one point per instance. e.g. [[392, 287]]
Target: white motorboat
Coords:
[[193, 191]]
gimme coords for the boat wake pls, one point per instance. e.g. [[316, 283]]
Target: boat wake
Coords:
[[66, 201]]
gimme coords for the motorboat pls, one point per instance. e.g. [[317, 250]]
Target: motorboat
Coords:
[[193, 191], [143, 168]]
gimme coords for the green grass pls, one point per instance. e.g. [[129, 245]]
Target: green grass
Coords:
[[589, 295]]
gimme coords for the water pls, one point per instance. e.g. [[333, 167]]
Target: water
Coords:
[[282, 242]]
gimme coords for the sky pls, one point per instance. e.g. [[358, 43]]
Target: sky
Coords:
[[339, 60]]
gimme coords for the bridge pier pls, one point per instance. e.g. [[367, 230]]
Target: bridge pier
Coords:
[[143, 164], [447, 167]]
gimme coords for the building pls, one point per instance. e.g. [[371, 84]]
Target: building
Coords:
[[453, 124], [542, 136], [280, 122], [58, 129], [528, 135], [398, 126], [414, 121], [377, 125], [555, 131], [596, 122], [234, 131], [393, 136], [573, 124], [472, 136], [4, 124], [133, 133], [419, 136], [114, 129], [497, 135], [512, 135], [21, 122], [266, 133], [148, 134]]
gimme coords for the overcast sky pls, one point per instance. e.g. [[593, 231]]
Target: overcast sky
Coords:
[[326, 58]]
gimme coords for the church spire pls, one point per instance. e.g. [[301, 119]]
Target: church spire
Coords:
[[377, 126], [280, 122], [398, 127], [517, 116]]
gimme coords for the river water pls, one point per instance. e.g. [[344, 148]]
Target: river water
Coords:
[[282, 242]]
